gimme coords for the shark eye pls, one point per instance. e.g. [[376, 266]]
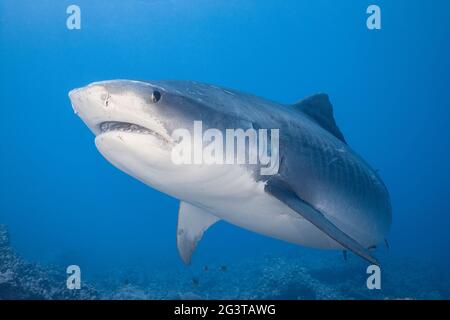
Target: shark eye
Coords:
[[156, 96]]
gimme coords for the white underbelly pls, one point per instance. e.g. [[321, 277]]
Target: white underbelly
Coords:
[[227, 191], [232, 194], [264, 214]]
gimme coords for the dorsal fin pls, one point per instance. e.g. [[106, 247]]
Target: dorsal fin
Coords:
[[318, 107]]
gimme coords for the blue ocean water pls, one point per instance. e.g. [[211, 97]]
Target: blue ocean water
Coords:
[[63, 203]]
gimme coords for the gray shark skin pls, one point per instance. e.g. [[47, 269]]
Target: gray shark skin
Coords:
[[324, 195]]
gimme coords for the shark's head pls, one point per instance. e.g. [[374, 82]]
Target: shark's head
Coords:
[[133, 122]]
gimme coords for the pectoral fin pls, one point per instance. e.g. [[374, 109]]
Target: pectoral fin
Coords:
[[281, 190], [192, 223]]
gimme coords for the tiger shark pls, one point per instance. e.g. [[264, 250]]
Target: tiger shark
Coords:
[[321, 193]]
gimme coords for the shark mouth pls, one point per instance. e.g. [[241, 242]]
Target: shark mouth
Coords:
[[116, 126]]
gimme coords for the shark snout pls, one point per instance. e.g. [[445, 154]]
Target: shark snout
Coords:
[[91, 104]]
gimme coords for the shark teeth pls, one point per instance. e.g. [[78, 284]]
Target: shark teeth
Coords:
[[114, 126]]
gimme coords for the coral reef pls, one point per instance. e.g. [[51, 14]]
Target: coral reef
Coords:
[[302, 274], [22, 280], [310, 276]]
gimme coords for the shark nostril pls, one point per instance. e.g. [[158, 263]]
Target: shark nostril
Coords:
[[105, 98]]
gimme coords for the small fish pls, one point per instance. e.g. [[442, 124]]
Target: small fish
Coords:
[[195, 281], [223, 268], [205, 268]]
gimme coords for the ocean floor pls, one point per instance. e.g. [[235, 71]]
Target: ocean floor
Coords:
[[269, 277], [280, 278], [23, 280]]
